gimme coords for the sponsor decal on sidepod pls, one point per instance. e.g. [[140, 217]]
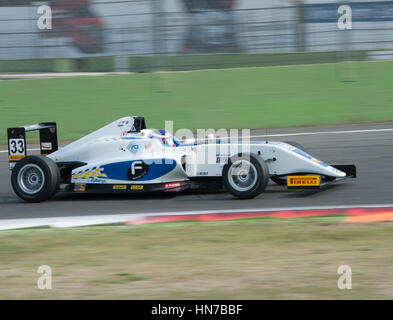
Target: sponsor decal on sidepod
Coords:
[[146, 170], [172, 185]]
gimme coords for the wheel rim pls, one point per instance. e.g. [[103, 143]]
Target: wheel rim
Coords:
[[31, 179], [242, 175]]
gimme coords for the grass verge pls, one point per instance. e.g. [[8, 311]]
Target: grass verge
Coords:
[[263, 258], [230, 98]]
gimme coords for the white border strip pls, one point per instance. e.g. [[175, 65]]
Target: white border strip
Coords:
[[324, 132], [34, 149], [305, 134], [78, 221]]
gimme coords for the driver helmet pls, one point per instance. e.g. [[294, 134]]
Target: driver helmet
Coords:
[[163, 136]]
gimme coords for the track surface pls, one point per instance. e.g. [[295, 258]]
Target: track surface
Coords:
[[372, 152]]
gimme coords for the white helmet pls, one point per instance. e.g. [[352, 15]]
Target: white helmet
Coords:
[[163, 136]]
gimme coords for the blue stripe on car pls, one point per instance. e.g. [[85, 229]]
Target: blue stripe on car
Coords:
[[118, 170]]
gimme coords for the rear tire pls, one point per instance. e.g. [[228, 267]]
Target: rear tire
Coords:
[[245, 176], [282, 181], [35, 178]]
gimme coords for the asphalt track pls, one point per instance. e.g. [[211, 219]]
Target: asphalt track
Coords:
[[371, 151]]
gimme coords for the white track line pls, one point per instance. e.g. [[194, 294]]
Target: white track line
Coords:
[[78, 221], [323, 132], [34, 149], [287, 135], [308, 133]]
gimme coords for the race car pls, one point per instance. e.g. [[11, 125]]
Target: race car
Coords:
[[126, 157]]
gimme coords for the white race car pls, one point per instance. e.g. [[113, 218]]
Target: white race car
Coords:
[[124, 156]]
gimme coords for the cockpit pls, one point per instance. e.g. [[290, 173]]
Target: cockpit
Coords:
[[163, 136]]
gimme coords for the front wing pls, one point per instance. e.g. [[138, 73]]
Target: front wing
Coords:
[[317, 181]]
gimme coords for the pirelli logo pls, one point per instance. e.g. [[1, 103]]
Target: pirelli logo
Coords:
[[303, 181]]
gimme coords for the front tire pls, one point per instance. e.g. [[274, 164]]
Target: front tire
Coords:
[[35, 178], [245, 176]]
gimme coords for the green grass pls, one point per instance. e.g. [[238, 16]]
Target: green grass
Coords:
[[229, 98], [262, 258]]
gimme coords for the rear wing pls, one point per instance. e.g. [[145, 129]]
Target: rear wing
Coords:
[[17, 140]]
